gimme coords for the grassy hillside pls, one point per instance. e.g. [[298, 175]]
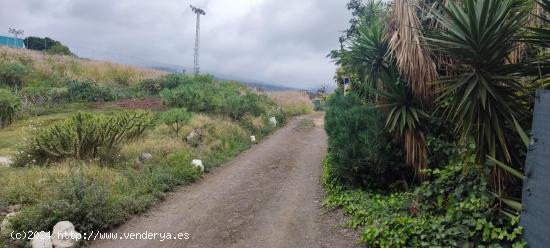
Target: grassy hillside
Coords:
[[95, 142]]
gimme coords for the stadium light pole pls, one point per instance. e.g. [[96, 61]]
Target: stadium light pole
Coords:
[[199, 12]]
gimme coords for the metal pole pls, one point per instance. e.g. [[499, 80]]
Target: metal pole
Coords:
[[197, 40], [199, 12]]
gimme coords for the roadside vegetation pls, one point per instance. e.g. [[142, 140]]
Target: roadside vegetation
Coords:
[[94, 142], [427, 143]]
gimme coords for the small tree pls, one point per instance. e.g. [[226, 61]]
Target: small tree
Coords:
[[175, 118]]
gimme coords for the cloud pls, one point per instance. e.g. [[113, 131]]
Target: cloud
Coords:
[[283, 42]]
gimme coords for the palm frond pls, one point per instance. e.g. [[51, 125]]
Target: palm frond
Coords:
[[407, 46]]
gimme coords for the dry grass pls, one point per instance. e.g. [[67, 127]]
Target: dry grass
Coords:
[[59, 67], [32, 185], [293, 102]]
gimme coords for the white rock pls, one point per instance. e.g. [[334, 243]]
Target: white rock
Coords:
[[41, 240], [4, 161], [194, 137], [273, 121], [5, 226], [253, 139], [198, 164], [145, 156], [64, 235]]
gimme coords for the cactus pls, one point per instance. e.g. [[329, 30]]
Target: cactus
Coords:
[[87, 136]]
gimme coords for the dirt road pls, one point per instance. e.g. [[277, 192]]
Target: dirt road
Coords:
[[269, 196]]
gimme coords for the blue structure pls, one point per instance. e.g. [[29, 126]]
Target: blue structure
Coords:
[[12, 42]]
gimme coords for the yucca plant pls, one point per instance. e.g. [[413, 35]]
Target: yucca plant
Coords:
[[485, 98], [368, 55], [404, 118]]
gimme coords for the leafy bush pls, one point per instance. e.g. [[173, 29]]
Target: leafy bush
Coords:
[[453, 210], [89, 205], [172, 81], [150, 86], [361, 153], [59, 49], [9, 105], [85, 136], [175, 118], [12, 74], [204, 95], [90, 91]]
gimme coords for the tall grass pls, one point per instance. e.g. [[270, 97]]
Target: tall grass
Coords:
[[63, 67], [293, 102]]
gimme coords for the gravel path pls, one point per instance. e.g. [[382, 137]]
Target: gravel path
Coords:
[[269, 196]]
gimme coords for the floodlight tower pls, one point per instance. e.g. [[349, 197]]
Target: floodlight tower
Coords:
[[16, 34], [199, 12]]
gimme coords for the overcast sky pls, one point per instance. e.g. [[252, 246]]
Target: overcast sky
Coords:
[[275, 41]]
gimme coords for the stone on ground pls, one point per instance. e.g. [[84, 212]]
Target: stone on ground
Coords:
[[64, 235], [41, 240]]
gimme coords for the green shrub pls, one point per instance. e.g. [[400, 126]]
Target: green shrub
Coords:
[[12, 74], [85, 136], [203, 94], [180, 162], [90, 206], [58, 94], [9, 105], [361, 153], [90, 91], [150, 87], [453, 210], [176, 118], [172, 81], [59, 49]]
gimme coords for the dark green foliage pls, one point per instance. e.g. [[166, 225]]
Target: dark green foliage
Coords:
[[453, 210], [41, 44], [85, 136], [12, 74], [485, 95], [359, 149], [9, 105], [59, 49], [176, 118], [203, 94]]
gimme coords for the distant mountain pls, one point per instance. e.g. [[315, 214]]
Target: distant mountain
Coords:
[[249, 82]]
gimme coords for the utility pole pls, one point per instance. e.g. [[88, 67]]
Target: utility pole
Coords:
[[16, 34], [199, 12]]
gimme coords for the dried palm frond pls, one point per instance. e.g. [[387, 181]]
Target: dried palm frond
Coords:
[[407, 46], [415, 148], [532, 21]]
